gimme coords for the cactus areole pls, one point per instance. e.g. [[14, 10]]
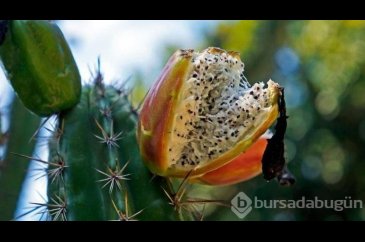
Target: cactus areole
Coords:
[[201, 113]]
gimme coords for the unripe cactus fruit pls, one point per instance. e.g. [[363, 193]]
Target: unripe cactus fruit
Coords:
[[39, 64], [201, 113]]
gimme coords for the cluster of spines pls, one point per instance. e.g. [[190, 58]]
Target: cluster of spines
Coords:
[[94, 169], [109, 170]]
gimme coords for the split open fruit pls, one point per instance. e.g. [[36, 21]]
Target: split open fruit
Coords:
[[201, 114]]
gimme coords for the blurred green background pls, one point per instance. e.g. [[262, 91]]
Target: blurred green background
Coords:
[[321, 64]]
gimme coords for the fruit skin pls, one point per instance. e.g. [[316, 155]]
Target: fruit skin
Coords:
[[39, 64], [244, 167], [157, 114]]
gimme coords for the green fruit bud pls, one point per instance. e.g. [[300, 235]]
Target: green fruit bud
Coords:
[[39, 64]]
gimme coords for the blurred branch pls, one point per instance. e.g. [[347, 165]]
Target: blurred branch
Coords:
[[13, 170], [272, 37]]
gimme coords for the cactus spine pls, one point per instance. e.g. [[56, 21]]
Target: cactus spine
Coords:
[[95, 170]]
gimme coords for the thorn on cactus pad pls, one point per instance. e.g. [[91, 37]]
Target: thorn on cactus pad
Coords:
[[36, 209], [114, 177], [54, 170], [109, 140], [39, 128], [54, 211], [57, 208], [96, 75], [125, 216], [120, 87], [180, 201], [106, 112]]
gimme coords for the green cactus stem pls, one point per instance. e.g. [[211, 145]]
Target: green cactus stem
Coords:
[[102, 176]]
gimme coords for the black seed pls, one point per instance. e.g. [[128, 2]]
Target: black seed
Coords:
[[181, 117], [195, 75], [251, 93]]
